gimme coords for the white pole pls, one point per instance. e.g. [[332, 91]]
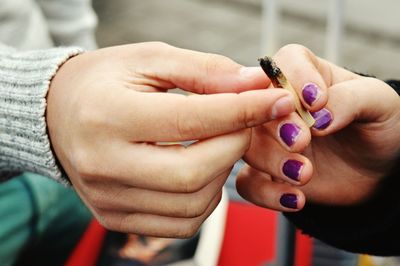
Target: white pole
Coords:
[[269, 27], [334, 30]]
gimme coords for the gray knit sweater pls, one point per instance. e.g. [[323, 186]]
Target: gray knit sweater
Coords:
[[24, 82], [35, 26]]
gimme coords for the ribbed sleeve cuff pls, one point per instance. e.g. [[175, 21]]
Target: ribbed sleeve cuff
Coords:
[[24, 82]]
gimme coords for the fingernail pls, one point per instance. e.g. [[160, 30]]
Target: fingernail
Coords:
[[323, 119], [289, 201], [283, 106], [289, 133], [310, 93], [292, 169]]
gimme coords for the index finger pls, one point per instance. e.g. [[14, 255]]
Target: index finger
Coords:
[[197, 72], [156, 117], [309, 75]]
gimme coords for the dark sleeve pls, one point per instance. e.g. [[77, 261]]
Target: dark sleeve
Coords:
[[372, 227], [395, 84]]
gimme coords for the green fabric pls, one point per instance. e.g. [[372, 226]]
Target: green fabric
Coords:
[[41, 221]]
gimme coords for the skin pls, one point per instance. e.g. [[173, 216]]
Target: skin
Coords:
[[343, 163], [109, 118]]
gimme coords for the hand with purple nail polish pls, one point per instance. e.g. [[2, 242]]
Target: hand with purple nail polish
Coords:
[[355, 139]]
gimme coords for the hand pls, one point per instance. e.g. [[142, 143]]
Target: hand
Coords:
[[355, 139], [107, 114]]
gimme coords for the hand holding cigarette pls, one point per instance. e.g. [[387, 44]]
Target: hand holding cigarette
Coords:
[[279, 80], [340, 161], [108, 111]]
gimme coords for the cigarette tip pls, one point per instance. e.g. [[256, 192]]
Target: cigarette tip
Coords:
[[269, 67]]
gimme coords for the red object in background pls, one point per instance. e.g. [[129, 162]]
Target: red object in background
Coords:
[[250, 236], [250, 239], [303, 250], [88, 249]]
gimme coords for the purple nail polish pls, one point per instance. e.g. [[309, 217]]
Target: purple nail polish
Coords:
[[323, 119], [289, 133], [289, 201], [310, 93], [292, 169]]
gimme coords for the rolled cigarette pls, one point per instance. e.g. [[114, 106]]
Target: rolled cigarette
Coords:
[[279, 80]]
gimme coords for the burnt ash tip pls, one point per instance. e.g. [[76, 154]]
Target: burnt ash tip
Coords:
[[269, 67]]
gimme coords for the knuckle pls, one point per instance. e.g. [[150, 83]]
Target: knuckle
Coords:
[[96, 199], [188, 230], [377, 83], [162, 44], [84, 164], [292, 48], [158, 45], [125, 225], [247, 140], [187, 124], [245, 117], [188, 179], [105, 221], [195, 207], [84, 158], [88, 117], [212, 62]]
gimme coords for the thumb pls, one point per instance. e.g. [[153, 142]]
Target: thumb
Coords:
[[358, 100]]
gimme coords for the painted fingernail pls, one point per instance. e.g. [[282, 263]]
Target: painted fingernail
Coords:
[[289, 133], [289, 201], [323, 119], [282, 107], [310, 93], [292, 169]]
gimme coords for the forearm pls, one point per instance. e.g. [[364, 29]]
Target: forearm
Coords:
[[24, 83]]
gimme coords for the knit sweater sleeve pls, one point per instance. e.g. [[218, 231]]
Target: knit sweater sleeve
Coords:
[[70, 22], [24, 81], [371, 227]]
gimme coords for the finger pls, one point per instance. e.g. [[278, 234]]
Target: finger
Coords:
[[155, 225], [357, 100], [168, 168], [290, 131], [135, 200], [308, 74], [258, 188], [267, 155], [173, 117], [201, 73]]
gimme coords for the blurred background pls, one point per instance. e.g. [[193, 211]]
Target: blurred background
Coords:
[[369, 41]]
